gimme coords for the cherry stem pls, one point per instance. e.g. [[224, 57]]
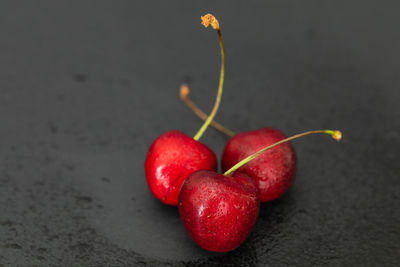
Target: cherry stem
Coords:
[[206, 21], [337, 135], [184, 94]]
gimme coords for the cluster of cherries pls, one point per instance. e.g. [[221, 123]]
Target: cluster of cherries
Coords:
[[220, 210]]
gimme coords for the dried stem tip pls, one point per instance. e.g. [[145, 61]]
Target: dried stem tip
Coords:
[[209, 19], [184, 92], [337, 135]]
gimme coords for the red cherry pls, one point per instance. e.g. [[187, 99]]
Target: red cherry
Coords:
[[172, 157], [219, 212], [273, 171]]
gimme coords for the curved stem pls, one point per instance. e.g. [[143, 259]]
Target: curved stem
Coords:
[[211, 20], [184, 94], [337, 135]]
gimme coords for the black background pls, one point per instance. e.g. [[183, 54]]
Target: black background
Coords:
[[86, 86]]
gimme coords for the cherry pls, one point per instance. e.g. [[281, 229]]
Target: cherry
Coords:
[[274, 171], [219, 211], [173, 156]]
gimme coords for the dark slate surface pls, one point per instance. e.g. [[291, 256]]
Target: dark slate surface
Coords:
[[85, 86]]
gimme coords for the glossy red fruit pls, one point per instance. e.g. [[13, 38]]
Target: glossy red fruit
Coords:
[[273, 171], [171, 158], [218, 211]]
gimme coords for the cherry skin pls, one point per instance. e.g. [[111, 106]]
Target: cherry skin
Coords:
[[273, 171], [218, 211], [171, 158]]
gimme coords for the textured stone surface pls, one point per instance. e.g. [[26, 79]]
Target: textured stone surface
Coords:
[[85, 86]]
